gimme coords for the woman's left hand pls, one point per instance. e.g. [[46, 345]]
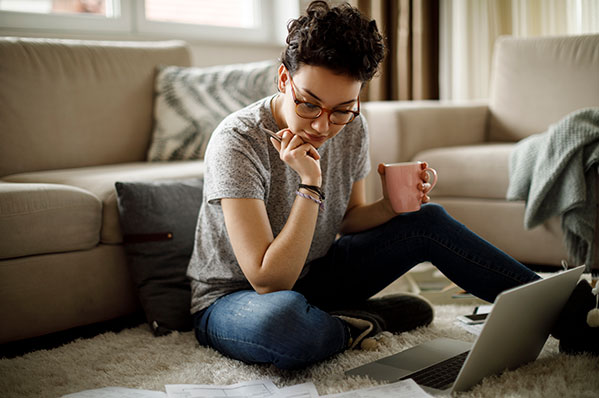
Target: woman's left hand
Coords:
[[424, 187]]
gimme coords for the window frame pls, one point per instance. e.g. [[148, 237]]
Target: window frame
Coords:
[[69, 22], [132, 24]]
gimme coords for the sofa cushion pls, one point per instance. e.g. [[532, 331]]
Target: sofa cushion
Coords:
[[100, 181], [500, 222], [78, 103], [158, 221], [538, 81], [475, 171], [47, 218], [191, 102]]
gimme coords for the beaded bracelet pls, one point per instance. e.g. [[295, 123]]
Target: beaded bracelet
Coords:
[[312, 198], [315, 189]]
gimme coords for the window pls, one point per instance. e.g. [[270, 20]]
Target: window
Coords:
[[239, 20], [231, 13], [65, 15], [96, 7], [215, 20]]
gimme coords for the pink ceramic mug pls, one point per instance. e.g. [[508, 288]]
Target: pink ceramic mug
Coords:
[[402, 180]]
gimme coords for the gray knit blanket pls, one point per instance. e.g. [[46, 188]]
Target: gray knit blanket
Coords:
[[556, 173]]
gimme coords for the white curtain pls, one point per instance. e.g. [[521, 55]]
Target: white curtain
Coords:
[[468, 29]]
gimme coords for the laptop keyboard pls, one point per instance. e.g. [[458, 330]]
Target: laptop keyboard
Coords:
[[441, 374]]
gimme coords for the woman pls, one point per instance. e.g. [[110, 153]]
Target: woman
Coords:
[[271, 283]]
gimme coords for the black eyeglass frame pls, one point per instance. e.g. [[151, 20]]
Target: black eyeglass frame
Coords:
[[355, 114]]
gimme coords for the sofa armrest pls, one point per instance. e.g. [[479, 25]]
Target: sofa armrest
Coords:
[[401, 129], [47, 218]]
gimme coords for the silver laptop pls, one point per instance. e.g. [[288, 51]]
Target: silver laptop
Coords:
[[514, 333]]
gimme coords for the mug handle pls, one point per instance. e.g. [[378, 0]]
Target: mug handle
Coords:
[[432, 181]]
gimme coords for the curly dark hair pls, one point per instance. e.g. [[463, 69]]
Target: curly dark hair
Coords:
[[339, 38]]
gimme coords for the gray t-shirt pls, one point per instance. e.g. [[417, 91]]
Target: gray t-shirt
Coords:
[[241, 162]]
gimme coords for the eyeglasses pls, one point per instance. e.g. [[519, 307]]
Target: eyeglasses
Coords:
[[308, 110]]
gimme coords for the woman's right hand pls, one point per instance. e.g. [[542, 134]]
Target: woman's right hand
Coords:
[[300, 156], [275, 263]]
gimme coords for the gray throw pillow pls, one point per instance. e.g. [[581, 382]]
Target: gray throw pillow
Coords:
[[158, 220], [191, 101]]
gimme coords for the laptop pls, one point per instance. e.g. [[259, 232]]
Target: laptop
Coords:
[[513, 334]]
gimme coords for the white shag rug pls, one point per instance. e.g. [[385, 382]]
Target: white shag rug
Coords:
[[134, 358]]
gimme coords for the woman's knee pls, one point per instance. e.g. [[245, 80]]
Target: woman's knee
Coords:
[[305, 333], [433, 210], [281, 328], [252, 311], [432, 214], [299, 324], [428, 214]]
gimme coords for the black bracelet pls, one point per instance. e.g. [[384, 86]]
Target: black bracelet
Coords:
[[314, 189]]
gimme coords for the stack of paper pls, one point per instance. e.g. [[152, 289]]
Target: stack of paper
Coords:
[[254, 389]]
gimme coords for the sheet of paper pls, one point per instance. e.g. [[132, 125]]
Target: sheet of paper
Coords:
[[305, 390], [255, 388], [474, 329], [116, 392], [404, 388], [483, 309]]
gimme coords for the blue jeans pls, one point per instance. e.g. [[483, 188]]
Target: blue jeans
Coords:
[[292, 329]]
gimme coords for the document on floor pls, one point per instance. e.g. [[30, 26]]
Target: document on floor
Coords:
[[254, 389], [116, 392], [475, 329], [403, 388]]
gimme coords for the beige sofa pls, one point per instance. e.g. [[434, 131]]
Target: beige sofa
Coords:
[[77, 116], [535, 82]]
